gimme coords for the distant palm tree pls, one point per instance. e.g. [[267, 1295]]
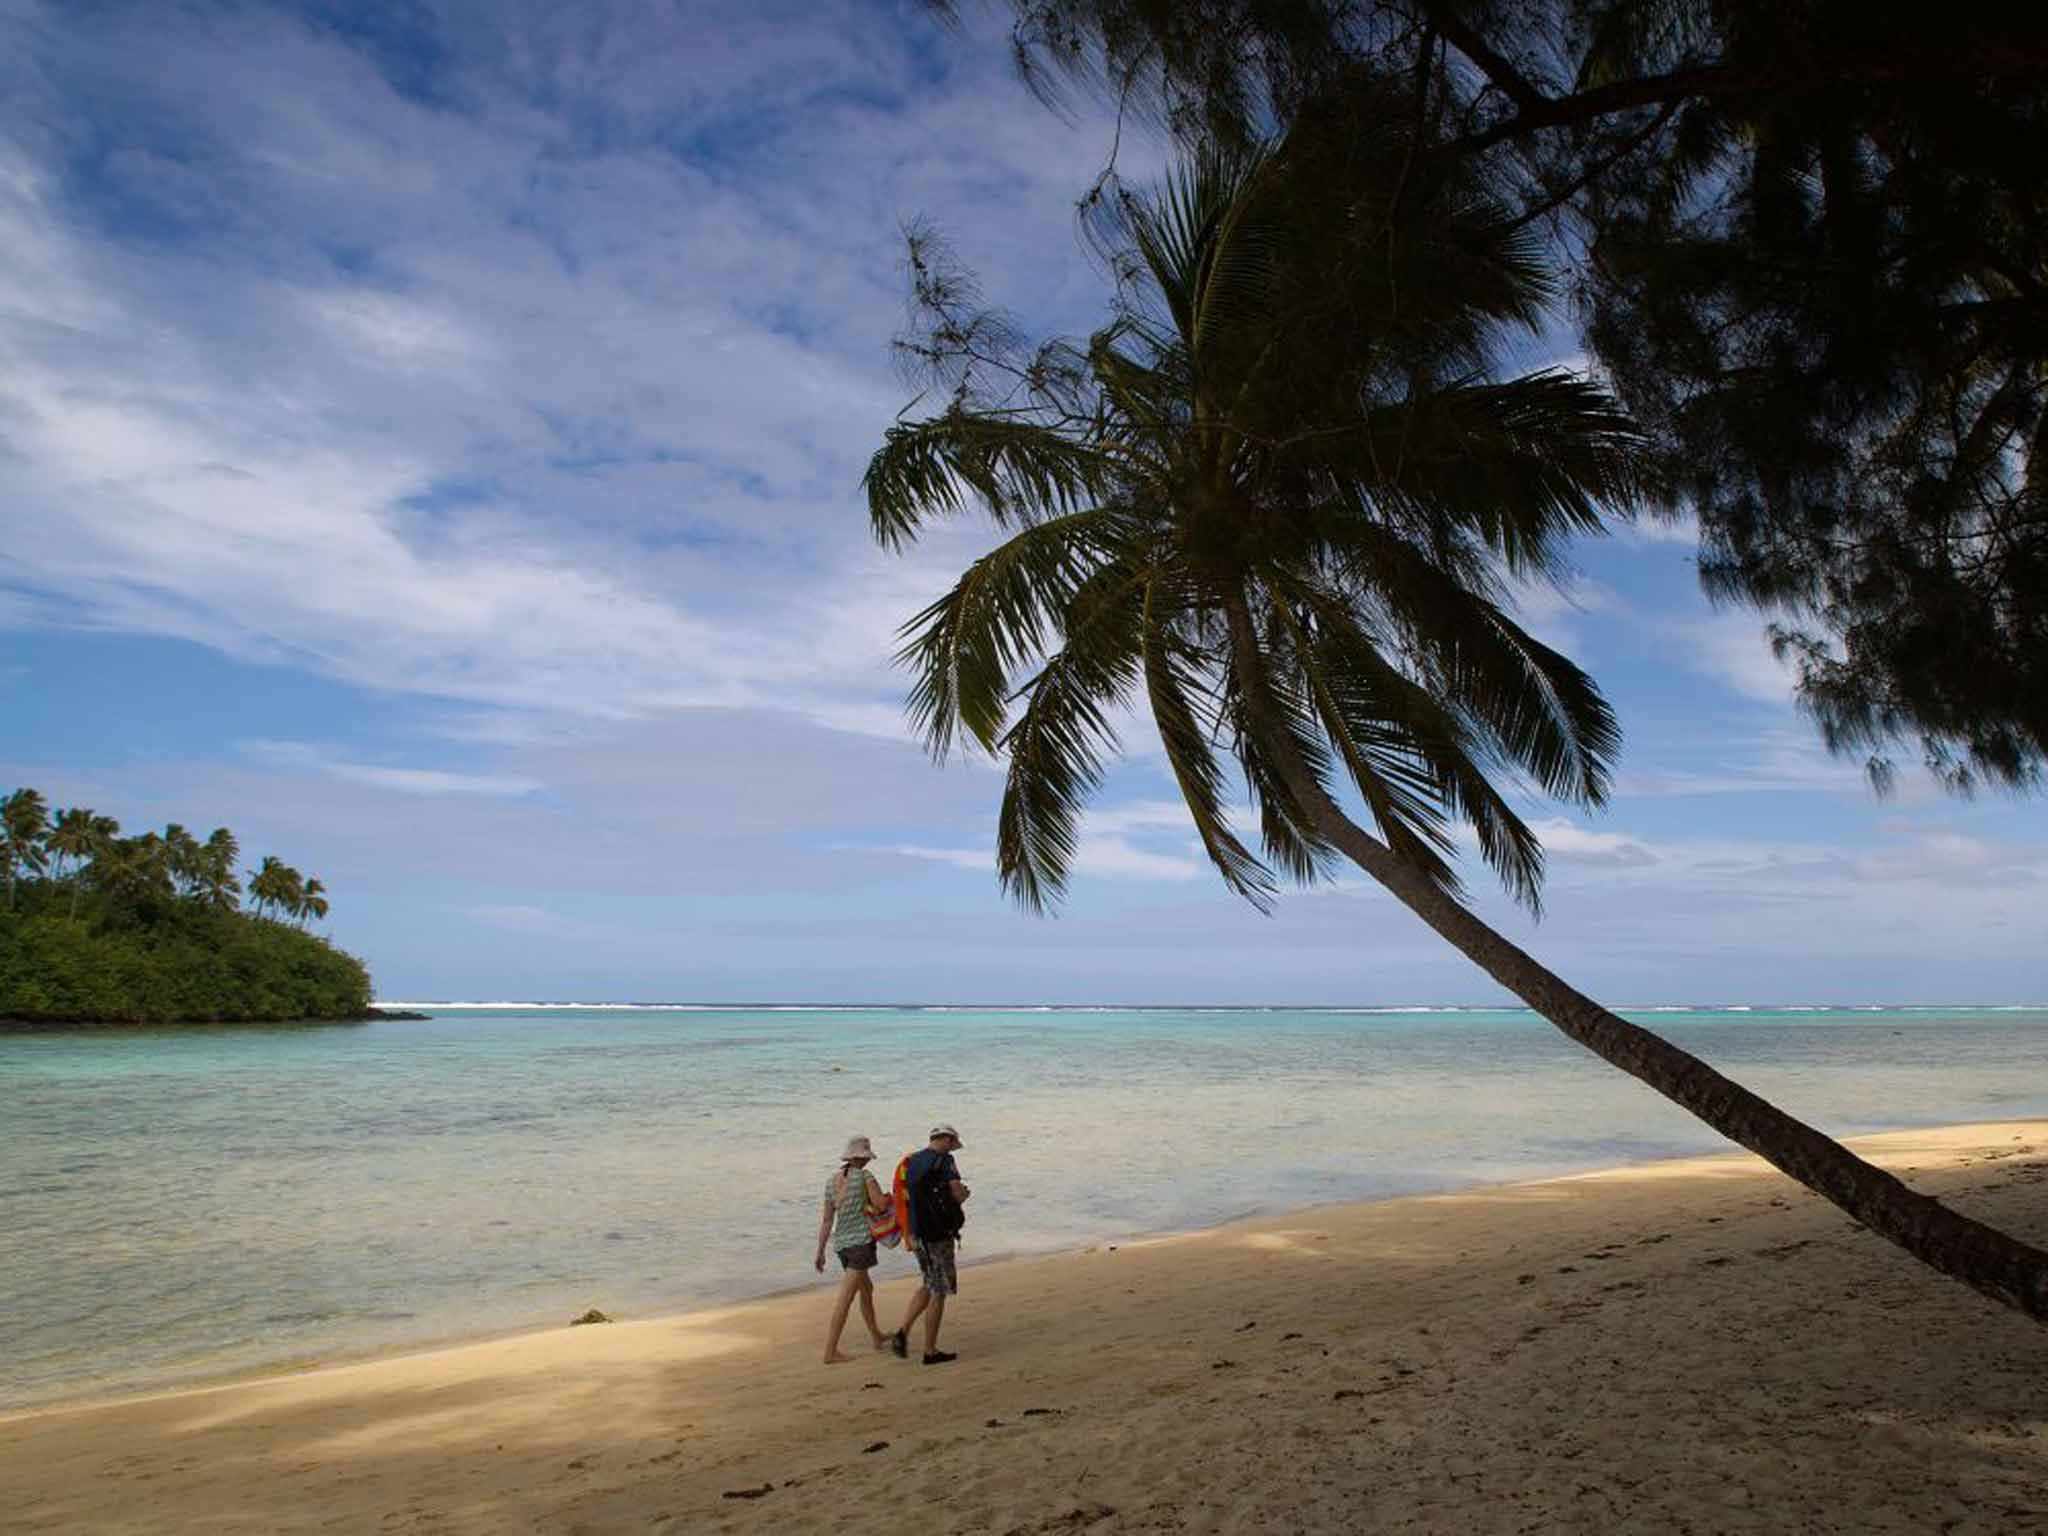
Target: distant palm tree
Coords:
[[103, 837], [1274, 501], [24, 822], [313, 903], [73, 837], [266, 884], [182, 857], [78, 836], [278, 888], [218, 886]]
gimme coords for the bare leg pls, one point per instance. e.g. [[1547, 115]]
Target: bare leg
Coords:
[[934, 1315], [867, 1310], [841, 1305], [919, 1300]]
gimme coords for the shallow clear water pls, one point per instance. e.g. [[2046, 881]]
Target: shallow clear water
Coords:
[[184, 1204]]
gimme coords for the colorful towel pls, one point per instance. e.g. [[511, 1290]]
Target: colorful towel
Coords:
[[882, 1226]]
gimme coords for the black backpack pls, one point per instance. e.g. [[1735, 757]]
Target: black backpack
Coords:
[[938, 1214]]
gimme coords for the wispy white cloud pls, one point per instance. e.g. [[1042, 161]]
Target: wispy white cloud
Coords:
[[307, 758], [1730, 647], [1680, 530], [528, 397], [1785, 760], [433, 781], [1944, 857], [1134, 840], [1571, 843]]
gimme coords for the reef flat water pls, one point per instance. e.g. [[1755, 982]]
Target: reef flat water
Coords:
[[189, 1204]]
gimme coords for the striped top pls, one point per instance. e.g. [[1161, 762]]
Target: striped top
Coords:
[[850, 1216]]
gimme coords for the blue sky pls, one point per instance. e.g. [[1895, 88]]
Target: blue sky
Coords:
[[429, 441]]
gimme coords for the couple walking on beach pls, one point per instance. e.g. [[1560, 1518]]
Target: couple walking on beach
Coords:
[[923, 1212]]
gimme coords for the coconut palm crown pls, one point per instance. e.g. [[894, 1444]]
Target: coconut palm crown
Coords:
[[1284, 485]]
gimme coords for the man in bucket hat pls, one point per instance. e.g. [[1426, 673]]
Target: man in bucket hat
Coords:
[[933, 1197]]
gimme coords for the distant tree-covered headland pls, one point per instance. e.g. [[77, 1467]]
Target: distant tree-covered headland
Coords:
[[157, 927]]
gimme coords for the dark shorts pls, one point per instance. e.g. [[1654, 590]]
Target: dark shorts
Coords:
[[935, 1263], [859, 1256]]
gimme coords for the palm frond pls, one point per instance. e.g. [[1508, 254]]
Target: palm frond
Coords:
[[1064, 735], [1546, 715], [1019, 471], [1342, 678], [1286, 828], [1536, 709], [1173, 686], [1521, 465], [1000, 617], [1267, 717], [1407, 736], [1199, 236]]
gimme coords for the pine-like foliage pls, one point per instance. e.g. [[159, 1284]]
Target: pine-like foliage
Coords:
[[1811, 242]]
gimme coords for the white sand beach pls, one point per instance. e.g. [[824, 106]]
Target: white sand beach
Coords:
[[1692, 1346]]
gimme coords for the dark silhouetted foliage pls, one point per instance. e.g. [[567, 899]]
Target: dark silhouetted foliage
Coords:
[[1811, 243]]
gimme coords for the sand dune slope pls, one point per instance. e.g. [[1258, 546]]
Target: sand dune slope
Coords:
[[1686, 1347]]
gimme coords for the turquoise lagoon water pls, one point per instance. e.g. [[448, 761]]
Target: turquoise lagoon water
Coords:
[[180, 1205]]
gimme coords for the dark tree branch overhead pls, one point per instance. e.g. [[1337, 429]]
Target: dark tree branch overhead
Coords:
[[1992, 60], [1447, 18]]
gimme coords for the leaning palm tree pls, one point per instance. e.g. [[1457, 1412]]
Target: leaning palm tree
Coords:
[[24, 823], [1275, 502], [313, 902]]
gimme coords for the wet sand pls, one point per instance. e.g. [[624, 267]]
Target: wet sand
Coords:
[[1693, 1346]]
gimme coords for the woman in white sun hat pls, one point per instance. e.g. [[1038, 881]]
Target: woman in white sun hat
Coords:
[[852, 1198]]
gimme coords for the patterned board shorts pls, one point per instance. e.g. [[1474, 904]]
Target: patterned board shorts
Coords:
[[935, 1263], [859, 1256]]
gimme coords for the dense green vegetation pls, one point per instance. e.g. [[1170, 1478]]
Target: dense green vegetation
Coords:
[[149, 929]]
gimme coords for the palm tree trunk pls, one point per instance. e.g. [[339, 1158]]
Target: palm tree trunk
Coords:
[[1982, 1257]]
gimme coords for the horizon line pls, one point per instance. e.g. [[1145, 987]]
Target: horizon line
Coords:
[[726, 1006]]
